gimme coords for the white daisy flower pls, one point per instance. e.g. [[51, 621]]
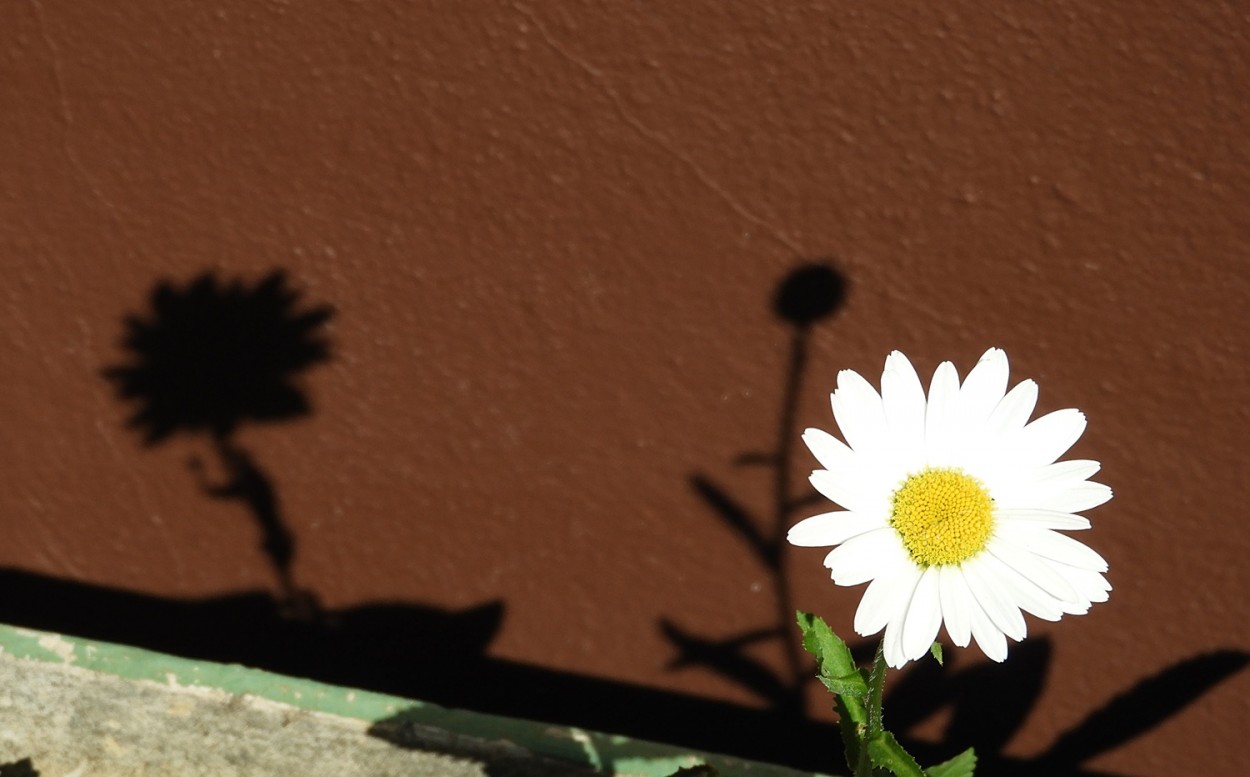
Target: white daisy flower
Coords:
[[953, 507]]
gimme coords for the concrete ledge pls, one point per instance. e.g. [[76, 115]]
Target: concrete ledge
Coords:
[[77, 707]]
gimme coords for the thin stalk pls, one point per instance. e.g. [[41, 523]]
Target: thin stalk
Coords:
[[864, 767], [783, 505], [876, 686]]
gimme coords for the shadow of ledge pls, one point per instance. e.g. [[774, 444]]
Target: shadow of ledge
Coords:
[[411, 651], [80, 706]]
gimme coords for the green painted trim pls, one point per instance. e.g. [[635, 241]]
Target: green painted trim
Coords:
[[603, 752], [138, 664]]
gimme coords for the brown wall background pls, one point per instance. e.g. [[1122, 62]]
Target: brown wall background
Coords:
[[551, 234]]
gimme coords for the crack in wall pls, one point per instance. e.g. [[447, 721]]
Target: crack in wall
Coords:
[[67, 114], [658, 138]]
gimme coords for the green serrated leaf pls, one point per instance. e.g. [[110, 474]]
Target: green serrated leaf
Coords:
[[887, 753], [936, 650], [840, 675], [851, 684], [959, 766], [837, 668], [828, 648]]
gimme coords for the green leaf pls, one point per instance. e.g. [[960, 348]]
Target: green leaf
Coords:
[[830, 651], [840, 675], [887, 753], [936, 650], [848, 685], [837, 668], [959, 766]]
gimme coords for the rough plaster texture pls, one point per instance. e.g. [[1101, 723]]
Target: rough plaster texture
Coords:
[[550, 234]]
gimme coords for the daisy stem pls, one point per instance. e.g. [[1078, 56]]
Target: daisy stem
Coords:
[[876, 687], [864, 767]]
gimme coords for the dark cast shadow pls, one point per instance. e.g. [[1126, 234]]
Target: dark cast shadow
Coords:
[[988, 703], [806, 296], [391, 647], [23, 768], [210, 356], [441, 656]]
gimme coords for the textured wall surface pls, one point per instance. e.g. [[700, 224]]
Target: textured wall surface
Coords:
[[538, 246]]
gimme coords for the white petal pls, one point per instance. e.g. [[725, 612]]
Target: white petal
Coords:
[[924, 616], [831, 528], [1091, 585], [1057, 547], [1003, 612], [1067, 472], [852, 489], [892, 644], [957, 603], [831, 452], [892, 640], [1059, 475], [857, 409], [983, 389], [1030, 486], [884, 597], [902, 397], [862, 557], [941, 416], [1026, 595], [1041, 519], [1083, 496], [1047, 438], [989, 638], [1075, 608], [1014, 410], [1034, 569]]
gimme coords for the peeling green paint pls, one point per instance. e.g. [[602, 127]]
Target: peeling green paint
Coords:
[[137, 664]]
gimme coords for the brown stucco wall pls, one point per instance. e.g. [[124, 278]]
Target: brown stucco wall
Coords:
[[548, 237]]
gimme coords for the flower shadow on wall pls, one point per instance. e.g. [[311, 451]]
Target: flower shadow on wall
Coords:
[[807, 295], [212, 356], [988, 703]]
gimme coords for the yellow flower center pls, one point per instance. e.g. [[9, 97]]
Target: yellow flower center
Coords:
[[943, 515]]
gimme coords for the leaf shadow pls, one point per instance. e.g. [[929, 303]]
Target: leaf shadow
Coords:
[[1141, 708], [727, 656], [738, 519], [989, 703]]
